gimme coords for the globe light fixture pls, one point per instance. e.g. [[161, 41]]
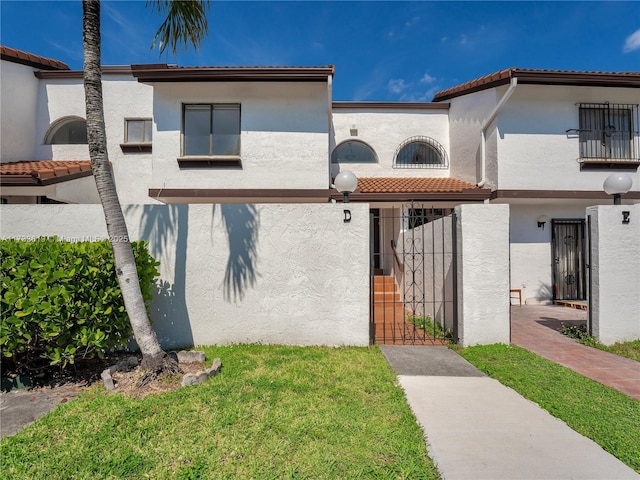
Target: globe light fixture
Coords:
[[617, 184], [346, 183]]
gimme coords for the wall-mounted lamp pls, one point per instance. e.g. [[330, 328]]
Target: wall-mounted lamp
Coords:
[[542, 219], [353, 130], [617, 184], [346, 183]]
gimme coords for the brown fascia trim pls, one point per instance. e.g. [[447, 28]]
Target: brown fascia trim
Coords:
[[269, 193], [392, 105], [78, 74], [560, 194], [463, 196], [587, 79], [578, 79], [31, 181], [165, 73]]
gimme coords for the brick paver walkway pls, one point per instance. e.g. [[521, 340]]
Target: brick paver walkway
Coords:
[[536, 328]]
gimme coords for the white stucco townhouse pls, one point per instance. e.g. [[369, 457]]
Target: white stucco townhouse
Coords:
[[235, 166]]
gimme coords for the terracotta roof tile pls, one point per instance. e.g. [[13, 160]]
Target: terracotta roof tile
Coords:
[[412, 185], [30, 59], [541, 76], [43, 172]]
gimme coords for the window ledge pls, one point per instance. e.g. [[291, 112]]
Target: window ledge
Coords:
[[223, 161], [421, 165], [608, 163], [135, 147]]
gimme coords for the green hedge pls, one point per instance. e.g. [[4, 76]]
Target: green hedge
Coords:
[[61, 301]]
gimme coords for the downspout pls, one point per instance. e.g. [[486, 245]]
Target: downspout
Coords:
[[485, 125], [329, 130]]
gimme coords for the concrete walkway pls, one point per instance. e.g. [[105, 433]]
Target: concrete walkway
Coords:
[[19, 408], [537, 328], [477, 429]]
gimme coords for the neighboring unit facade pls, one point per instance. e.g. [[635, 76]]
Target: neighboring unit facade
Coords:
[[542, 142]]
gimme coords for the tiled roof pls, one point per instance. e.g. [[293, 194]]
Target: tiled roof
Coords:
[[412, 185], [542, 77], [25, 58], [43, 172]]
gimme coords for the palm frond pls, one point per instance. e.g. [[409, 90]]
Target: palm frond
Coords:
[[185, 24]]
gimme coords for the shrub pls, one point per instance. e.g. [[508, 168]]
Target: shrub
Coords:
[[580, 333], [427, 324], [60, 301]]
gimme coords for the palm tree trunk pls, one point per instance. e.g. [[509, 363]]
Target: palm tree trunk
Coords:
[[153, 356]]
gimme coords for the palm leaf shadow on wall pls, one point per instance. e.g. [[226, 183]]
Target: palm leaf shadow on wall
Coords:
[[166, 228], [242, 223]]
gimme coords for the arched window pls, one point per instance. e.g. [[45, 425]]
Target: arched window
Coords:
[[353, 151], [67, 131], [420, 152]]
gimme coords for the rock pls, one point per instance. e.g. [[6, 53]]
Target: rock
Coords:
[[107, 380], [125, 365], [189, 379], [215, 367], [202, 375], [174, 356], [192, 356]]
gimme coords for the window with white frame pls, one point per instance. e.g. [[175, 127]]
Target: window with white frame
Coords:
[[211, 130], [608, 132], [137, 130]]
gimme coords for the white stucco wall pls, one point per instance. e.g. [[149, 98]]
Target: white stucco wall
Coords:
[[429, 275], [534, 149], [284, 135], [483, 274], [384, 130], [615, 273], [466, 116], [123, 97], [18, 98], [282, 274], [80, 190]]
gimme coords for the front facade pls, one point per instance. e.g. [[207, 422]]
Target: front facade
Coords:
[[542, 142], [545, 142]]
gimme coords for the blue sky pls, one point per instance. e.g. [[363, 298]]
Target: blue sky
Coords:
[[382, 51]]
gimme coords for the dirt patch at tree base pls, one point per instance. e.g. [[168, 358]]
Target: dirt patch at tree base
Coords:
[[126, 382]]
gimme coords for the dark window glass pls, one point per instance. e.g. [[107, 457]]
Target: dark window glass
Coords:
[[211, 130], [353, 151]]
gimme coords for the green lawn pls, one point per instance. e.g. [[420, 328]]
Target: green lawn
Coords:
[[627, 349], [273, 412], [610, 418], [624, 349]]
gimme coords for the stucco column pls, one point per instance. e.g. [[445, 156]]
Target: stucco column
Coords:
[[483, 274], [615, 273]]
